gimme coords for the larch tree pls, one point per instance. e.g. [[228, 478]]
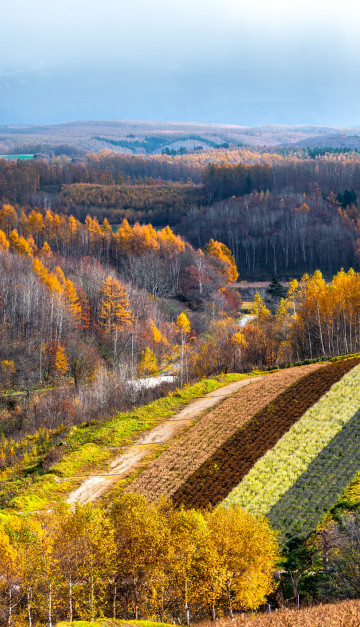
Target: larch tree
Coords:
[[182, 326], [115, 313], [19, 244], [224, 255], [8, 218], [4, 242]]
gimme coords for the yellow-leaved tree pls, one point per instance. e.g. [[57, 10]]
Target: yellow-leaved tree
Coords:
[[149, 363], [4, 242], [249, 551], [9, 590], [115, 313], [182, 326], [61, 363]]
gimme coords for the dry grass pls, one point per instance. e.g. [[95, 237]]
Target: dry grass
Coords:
[[165, 474], [344, 614]]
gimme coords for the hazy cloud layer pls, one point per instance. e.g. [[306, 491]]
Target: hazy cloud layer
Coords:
[[206, 60]]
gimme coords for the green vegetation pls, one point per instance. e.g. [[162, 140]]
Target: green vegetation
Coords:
[[91, 444], [278, 470], [299, 511]]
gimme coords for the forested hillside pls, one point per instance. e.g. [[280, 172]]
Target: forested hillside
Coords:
[[288, 211]]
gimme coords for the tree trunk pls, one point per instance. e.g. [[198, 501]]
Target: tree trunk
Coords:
[[70, 600], [10, 607], [50, 605], [187, 611], [114, 601], [28, 594], [231, 614], [92, 600]]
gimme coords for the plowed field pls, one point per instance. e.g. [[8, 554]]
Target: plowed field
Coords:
[[166, 473], [224, 470]]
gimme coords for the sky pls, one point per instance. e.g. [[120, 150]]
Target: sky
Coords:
[[246, 62]]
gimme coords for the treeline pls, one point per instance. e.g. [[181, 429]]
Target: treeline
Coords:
[[153, 260], [331, 173], [286, 235], [137, 561], [158, 203], [314, 320], [31, 181], [223, 173]]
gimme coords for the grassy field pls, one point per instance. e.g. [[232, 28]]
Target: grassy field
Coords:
[[177, 463], [278, 471]]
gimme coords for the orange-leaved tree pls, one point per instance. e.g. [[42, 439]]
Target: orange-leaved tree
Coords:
[[222, 253], [19, 244], [4, 242]]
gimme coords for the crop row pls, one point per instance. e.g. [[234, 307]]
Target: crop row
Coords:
[[220, 473], [282, 466], [166, 473], [307, 501]]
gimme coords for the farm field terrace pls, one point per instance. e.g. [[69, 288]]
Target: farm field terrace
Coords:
[[278, 485], [87, 446], [221, 472], [164, 475]]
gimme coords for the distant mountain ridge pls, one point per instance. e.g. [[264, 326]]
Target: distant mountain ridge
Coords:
[[120, 135]]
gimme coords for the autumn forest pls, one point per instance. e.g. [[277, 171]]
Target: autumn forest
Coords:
[[122, 299]]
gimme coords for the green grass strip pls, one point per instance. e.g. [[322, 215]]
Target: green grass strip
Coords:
[[279, 468], [89, 445]]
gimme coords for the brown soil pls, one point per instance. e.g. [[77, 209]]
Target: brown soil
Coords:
[[166, 474]]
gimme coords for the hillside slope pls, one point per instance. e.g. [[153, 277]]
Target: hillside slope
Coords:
[[169, 471]]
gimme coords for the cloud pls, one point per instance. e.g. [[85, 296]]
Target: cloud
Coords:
[[229, 51]]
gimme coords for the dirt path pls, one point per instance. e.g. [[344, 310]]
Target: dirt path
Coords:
[[95, 485]]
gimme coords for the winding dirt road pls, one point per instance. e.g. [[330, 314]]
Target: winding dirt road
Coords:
[[120, 467]]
